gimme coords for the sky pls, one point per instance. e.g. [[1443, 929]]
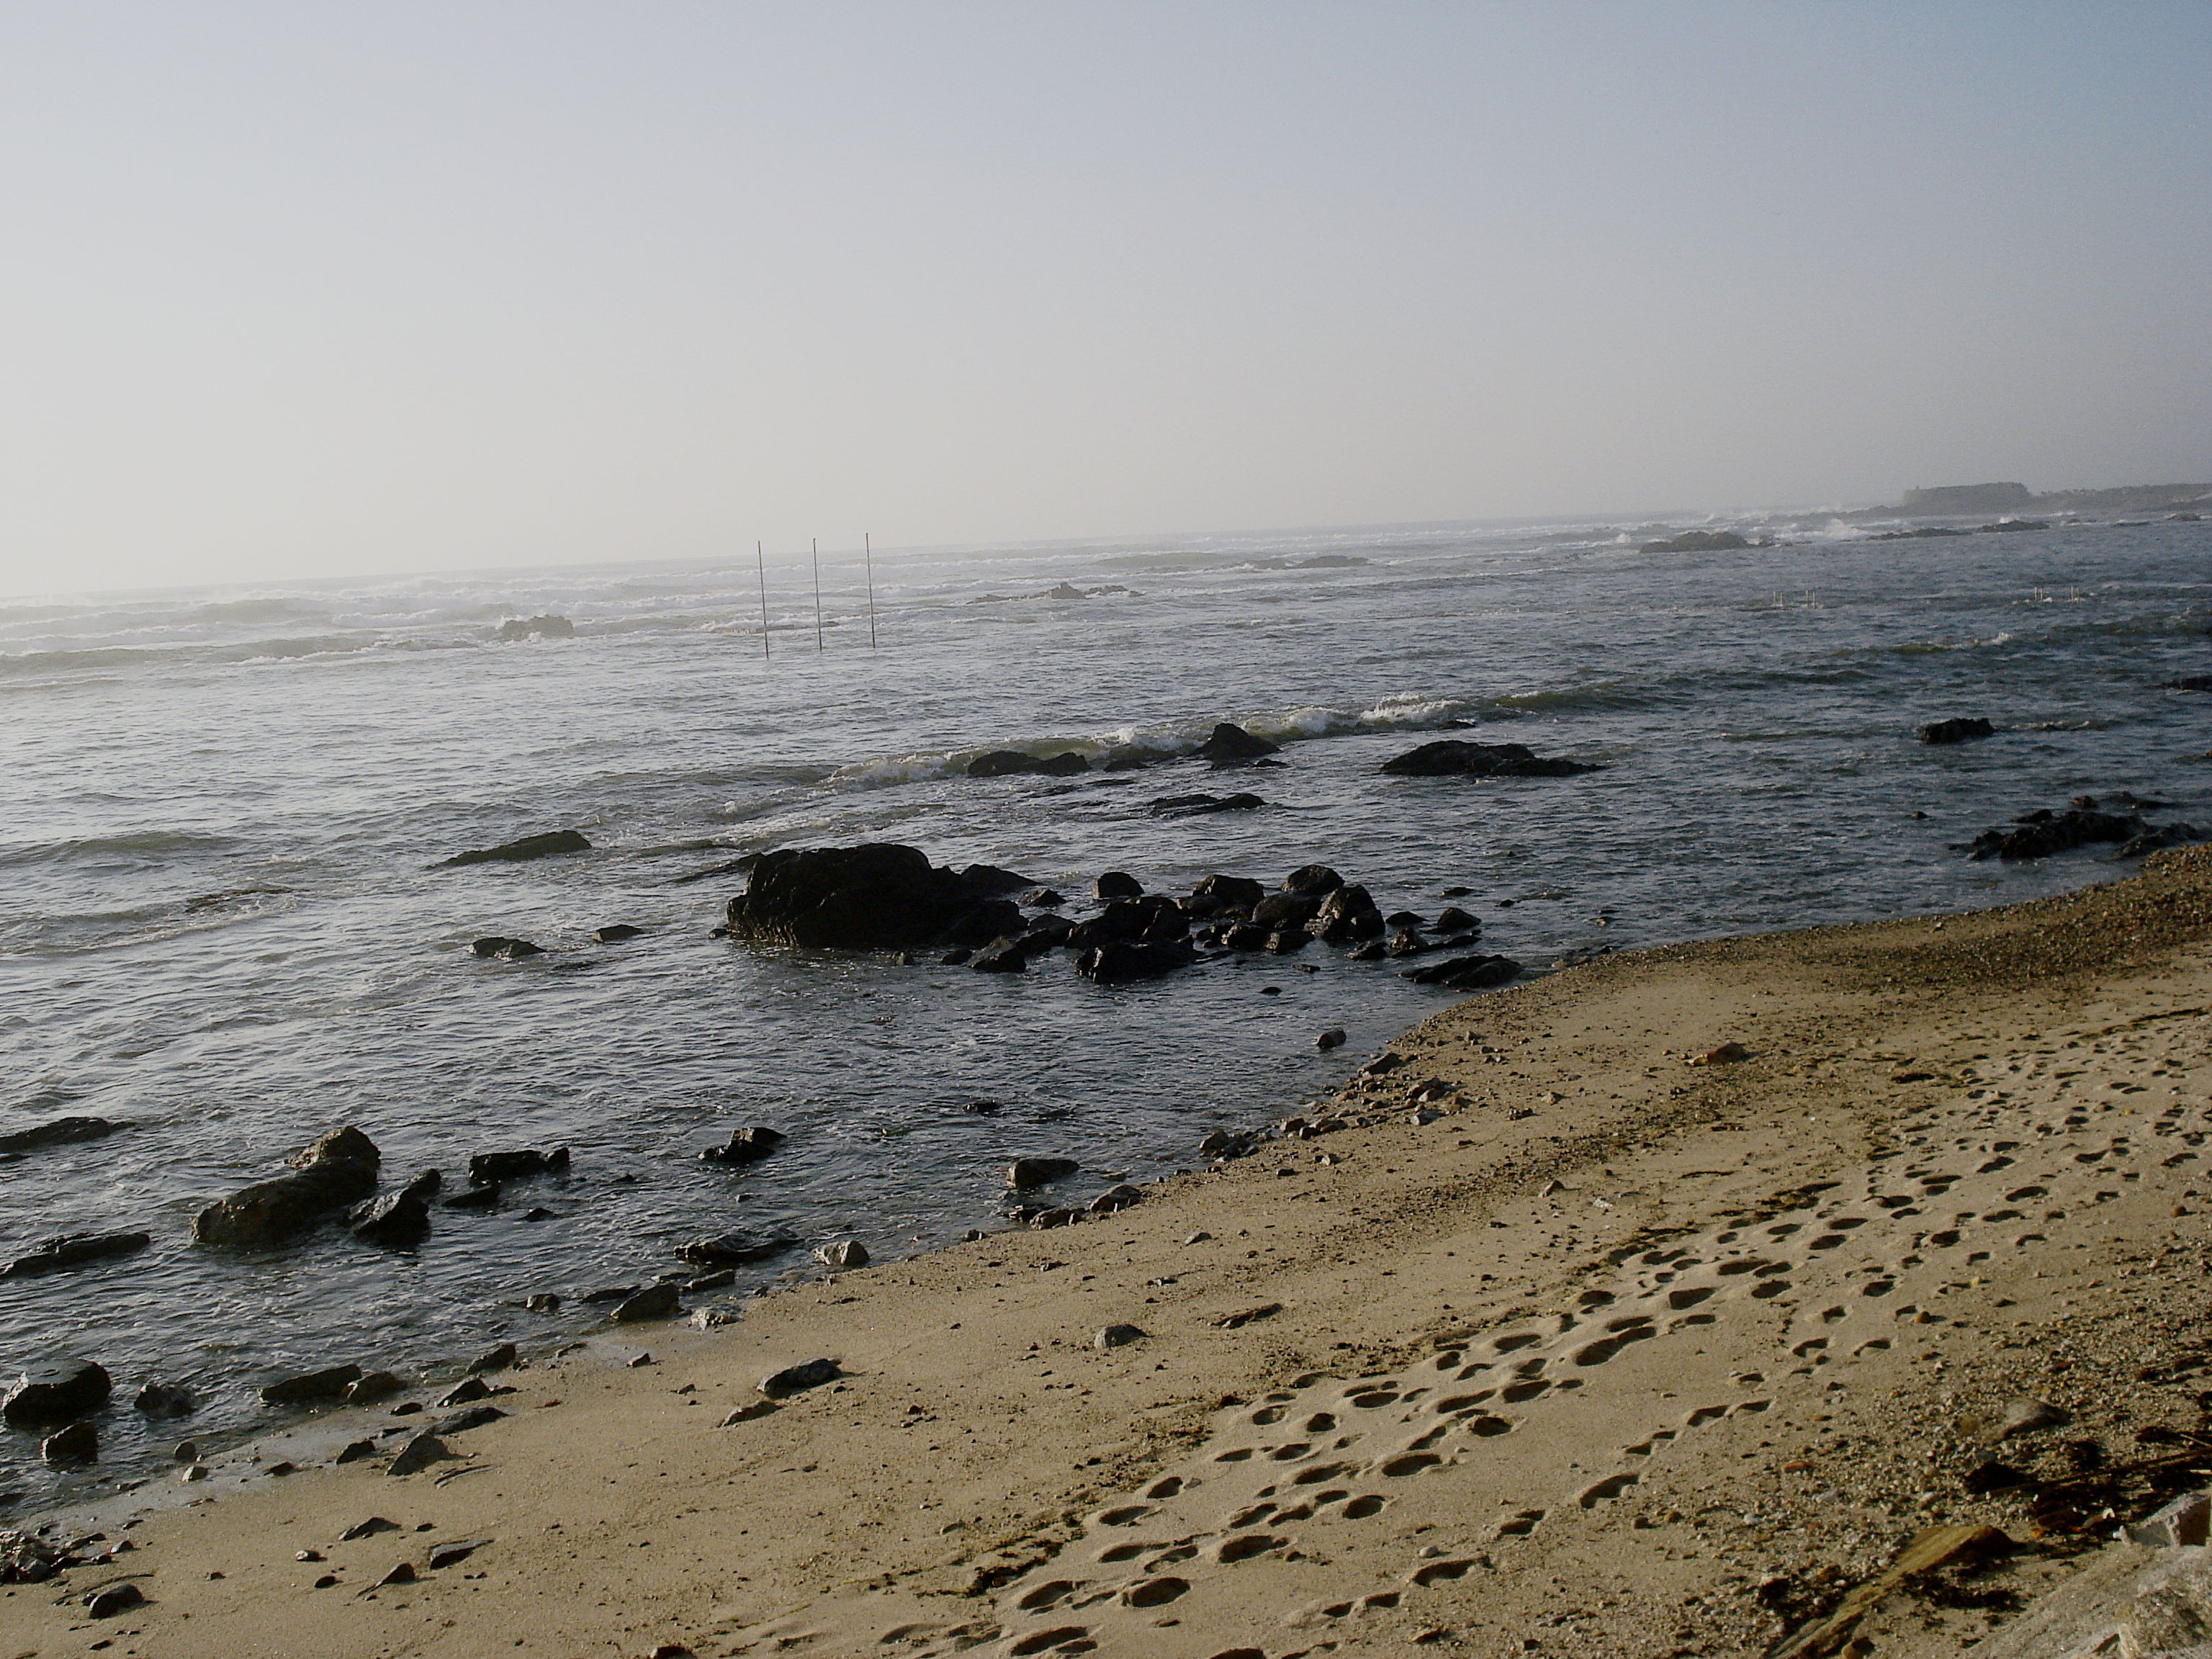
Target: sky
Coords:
[[307, 288]]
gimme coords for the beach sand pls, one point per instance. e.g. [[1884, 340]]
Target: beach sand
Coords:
[[1567, 1347]]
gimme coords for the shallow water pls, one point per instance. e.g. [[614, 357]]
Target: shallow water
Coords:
[[218, 919]]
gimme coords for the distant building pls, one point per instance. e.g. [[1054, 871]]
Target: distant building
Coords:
[[1969, 498]]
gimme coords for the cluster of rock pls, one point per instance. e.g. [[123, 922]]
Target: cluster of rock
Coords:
[[1926, 532], [534, 628], [891, 897], [1227, 745], [57, 1398], [2039, 834], [1706, 541]]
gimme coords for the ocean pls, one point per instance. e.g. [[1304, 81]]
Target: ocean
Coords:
[[221, 917]]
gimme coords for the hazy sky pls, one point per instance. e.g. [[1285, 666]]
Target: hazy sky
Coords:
[[299, 287]]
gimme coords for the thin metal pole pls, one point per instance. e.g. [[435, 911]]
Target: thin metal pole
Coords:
[[817, 546], [868, 550], [760, 564]]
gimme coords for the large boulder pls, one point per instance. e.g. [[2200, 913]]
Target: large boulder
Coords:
[[1456, 758], [1116, 963], [879, 896], [2039, 834], [552, 844], [338, 1171], [1349, 913], [400, 1219], [60, 1391], [1230, 744]]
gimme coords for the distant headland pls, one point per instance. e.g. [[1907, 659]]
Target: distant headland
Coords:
[[2016, 498]]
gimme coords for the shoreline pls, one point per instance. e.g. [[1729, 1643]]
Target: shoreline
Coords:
[[1574, 1182]]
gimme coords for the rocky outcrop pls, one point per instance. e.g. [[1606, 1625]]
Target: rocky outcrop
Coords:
[[338, 1171], [2039, 834], [1960, 729], [1230, 744], [1456, 758], [552, 844], [1703, 541], [535, 628], [879, 896], [746, 1145]]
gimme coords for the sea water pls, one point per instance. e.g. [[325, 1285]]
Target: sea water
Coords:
[[222, 920]]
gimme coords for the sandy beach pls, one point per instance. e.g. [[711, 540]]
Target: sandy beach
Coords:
[[1563, 1344]]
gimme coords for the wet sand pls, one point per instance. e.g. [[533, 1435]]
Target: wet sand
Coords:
[[1567, 1345]]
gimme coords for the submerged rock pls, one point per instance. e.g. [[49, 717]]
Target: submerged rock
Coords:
[[1231, 743], [1456, 758], [336, 1172], [1191, 806], [615, 933], [1477, 973], [1959, 730], [746, 1145], [879, 896], [1117, 963], [58, 1132], [310, 1388], [551, 844], [1014, 763], [726, 1250], [164, 1400], [2041, 833], [398, 1218], [486, 1168], [548, 627], [77, 1444], [74, 1250], [1024, 1174], [1117, 884]]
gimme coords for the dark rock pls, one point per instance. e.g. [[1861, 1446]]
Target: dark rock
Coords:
[[726, 1250], [1046, 931], [1332, 1038], [551, 844], [1373, 951], [1247, 936], [454, 1551], [1286, 911], [2039, 834], [709, 1281], [1240, 892], [1012, 763], [797, 1379], [1117, 1336], [988, 881], [1006, 956], [527, 628], [1956, 731], [954, 958], [2158, 840], [72, 1250], [77, 1444], [27, 1558], [1024, 1174], [880, 896], [57, 1391], [58, 1132], [1467, 973], [500, 946], [1456, 758], [2182, 683], [476, 1417], [1349, 913], [544, 1302], [1697, 541], [846, 1253], [1191, 806], [367, 1390], [746, 1145], [2003, 525], [465, 1393], [1993, 1476], [489, 1169], [311, 1387], [338, 1171], [1403, 918], [1041, 898], [654, 1301], [369, 1528], [1233, 743], [1456, 892], [1408, 943], [1288, 942], [503, 1357], [611, 1294], [1309, 881], [1055, 1217], [477, 1198], [616, 934], [1120, 1196], [1115, 963], [1453, 919], [1117, 884], [419, 1453], [401, 1219], [112, 1599], [163, 1400], [356, 1451]]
